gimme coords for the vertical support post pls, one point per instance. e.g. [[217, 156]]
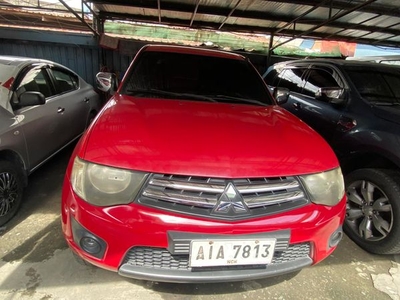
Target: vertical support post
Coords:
[[271, 42]]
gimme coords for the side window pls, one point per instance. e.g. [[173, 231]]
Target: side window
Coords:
[[292, 79], [376, 86], [36, 80], [321, 78], [270, 76], [65, 81]]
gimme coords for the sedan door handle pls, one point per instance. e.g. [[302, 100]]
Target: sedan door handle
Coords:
[[60, 110]]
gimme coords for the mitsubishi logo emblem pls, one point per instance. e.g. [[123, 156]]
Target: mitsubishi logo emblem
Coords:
[[230, 202]]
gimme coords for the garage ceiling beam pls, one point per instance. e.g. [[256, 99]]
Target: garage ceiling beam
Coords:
[[251, 14], [159, 11], [247, 29], [230, 14], [55, 18], [340, 26], [78, 17], [337, 16], [194, 13], [25, 7], [85, 2], [240, 14], [363, 21], [39, 20], [300, 17], [344, 4]]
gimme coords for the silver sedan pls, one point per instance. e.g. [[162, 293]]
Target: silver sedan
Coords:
[[44, 106]]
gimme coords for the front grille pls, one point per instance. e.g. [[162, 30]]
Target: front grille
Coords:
[[159, 258], [200, 195]]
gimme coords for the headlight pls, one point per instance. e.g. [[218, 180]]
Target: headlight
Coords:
[[326, 188], [105, 186]]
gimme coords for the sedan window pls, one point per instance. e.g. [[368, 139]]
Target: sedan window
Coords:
[[35, 80], [65, 81]]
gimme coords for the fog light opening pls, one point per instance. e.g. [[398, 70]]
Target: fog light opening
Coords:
[[90, 245], [336, 237]]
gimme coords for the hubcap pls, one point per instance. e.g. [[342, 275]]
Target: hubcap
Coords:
[[369, 213], [8, 193]]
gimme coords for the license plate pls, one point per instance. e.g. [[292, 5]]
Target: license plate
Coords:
[[207, 253]]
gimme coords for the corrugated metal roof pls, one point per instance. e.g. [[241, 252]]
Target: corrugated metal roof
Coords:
[[374, 22]]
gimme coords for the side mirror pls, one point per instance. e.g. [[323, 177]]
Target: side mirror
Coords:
[[31, 98], [332, 95], [106, 82], [281, 95]]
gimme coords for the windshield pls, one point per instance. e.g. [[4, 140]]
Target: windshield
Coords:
[[378, 87], [197, 78]]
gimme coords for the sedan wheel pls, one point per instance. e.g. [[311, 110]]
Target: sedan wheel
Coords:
[[10, 191], [373, 211]]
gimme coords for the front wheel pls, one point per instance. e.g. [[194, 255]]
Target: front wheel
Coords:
[[11, 188], [373, 210]]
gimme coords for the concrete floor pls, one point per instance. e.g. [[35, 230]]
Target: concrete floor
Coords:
[[35, 263]]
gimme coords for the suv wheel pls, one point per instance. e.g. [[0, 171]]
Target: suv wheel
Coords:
[[373, 210], [11, 188]]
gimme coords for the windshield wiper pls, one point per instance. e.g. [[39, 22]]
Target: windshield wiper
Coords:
[[237, 99], [211, 98], [172, 94]]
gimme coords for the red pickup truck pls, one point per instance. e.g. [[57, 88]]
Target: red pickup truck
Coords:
[[192, 173]]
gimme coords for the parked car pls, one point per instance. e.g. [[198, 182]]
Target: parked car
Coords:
[[43, 107], [192, 173], [355, 106], [383, 59]]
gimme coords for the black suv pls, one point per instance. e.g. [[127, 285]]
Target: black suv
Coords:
[[355, 106]]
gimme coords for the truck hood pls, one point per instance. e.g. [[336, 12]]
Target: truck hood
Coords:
[[204, 139]]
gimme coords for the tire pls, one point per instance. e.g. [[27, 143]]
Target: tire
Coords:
[[373, 210], [11, 189]]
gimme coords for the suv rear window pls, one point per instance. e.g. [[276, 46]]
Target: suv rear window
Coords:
[[376, 87], [196, 75]]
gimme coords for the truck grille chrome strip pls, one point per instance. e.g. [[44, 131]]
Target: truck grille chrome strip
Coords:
[[206, 192]]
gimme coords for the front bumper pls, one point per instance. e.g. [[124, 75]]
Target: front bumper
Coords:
[[188, 275], [146, 243], [158, 264]]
